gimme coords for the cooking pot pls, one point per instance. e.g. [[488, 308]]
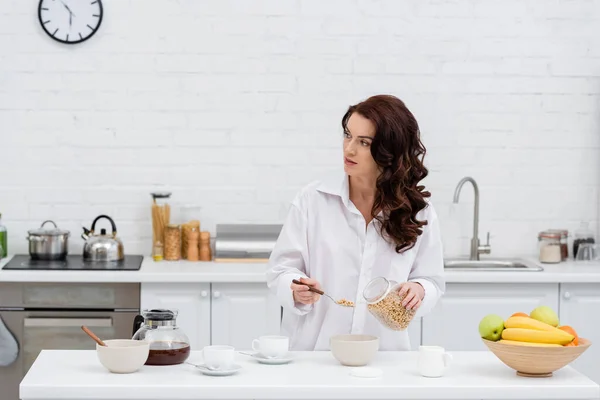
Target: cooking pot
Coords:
[[102, 247], [48, 244]]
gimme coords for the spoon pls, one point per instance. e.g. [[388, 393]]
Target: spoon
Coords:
[[93, 336], [343, 303], [254, 355], [203, 366]]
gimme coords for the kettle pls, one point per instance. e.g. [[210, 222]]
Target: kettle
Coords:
[[102, 247]]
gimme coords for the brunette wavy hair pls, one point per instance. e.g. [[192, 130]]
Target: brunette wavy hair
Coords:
[[398, 151]]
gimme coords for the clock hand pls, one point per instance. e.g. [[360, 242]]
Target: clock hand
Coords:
[[68, 9]]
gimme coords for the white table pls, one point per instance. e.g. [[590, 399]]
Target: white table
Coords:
[[78, 375]]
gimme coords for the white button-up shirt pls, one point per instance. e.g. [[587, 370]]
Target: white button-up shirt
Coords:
[[326, 238]]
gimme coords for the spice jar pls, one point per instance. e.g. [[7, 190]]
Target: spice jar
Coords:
[[549, 247], [192, 245], [564, 242], [385, 304], [205, 250], [172, 250]]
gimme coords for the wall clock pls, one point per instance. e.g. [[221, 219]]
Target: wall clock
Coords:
[[70, 21]]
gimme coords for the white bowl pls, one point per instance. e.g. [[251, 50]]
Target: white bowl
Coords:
[[123, 356], [354, 350]]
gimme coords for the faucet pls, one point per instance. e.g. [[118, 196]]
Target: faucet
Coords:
[[476, 249]]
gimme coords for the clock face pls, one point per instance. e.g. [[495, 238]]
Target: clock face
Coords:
[[70, 21]]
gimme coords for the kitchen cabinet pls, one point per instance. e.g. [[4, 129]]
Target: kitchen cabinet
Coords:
[[217, 313], [579, 305], [192, 300], [454, 322], [241, 312]]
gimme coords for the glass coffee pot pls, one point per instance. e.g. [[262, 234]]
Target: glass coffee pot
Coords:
[[169, 345]]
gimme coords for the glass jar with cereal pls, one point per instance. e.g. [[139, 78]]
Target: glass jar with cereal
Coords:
[[385, 304], [172, 247]]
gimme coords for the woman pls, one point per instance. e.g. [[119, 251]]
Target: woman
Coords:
[[376, 221]]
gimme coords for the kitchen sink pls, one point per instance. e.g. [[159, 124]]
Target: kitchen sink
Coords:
[[489, 265]]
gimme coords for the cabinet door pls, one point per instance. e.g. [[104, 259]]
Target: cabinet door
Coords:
[[454, 322], [192, 301], [579, 304], [243, 311]]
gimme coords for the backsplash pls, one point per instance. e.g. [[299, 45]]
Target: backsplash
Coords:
[[235, 105]]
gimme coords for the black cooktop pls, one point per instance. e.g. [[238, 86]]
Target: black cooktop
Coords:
[[75, 262]]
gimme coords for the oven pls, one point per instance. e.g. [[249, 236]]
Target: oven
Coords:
[[45, 316]]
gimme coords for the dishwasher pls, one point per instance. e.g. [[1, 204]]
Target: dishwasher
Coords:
[[49, 316]]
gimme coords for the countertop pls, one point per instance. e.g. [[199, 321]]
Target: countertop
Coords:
[[78, 375], [190, 272]]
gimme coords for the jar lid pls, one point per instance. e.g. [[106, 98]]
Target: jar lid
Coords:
[[161, 195], [563, 232], [549, 234], [48, 232], [376, 290]]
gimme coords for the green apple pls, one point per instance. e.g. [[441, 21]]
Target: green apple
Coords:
[[491, 327], [545, 314]]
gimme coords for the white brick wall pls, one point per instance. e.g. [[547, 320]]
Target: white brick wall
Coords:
[[234, 105]]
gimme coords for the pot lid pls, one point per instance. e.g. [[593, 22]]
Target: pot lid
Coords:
[[159, 315], [48, 231]]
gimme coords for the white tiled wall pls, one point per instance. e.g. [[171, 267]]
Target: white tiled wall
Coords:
[[234, 105]]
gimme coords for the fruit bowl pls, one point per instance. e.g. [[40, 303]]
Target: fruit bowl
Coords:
[[536, 361]]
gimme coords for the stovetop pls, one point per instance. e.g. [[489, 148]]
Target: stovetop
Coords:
[[75, 262]]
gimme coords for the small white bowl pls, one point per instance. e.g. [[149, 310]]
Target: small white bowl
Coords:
[[354, 350], [123, 356]]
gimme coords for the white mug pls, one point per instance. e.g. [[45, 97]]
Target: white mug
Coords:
[[220, 357], [271, 346], [433, 361]]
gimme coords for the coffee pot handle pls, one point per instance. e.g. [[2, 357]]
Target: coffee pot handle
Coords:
[[137, 323]]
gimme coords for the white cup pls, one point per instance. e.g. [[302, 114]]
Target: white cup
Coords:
[[271, 346], [433, 361], [220, 357]]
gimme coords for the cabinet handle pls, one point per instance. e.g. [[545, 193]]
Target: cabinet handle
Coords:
[[204, 293], [567, 295], [216, 294]]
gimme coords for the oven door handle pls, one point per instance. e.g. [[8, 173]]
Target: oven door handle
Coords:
[[67, 322]]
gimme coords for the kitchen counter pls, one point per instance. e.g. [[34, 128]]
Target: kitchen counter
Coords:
[[78, 375], [191, 272]]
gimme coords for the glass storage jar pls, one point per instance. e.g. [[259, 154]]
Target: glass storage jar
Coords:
[[385, 304], [564, 242], [549, 247], [172, 249], [161, 217], [583, 234]]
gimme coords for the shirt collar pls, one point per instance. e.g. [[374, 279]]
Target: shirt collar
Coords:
[[337, 187], [341, 188]]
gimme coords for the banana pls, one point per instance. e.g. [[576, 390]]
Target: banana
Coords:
[[535, 336], [528, 323], [516, 342]]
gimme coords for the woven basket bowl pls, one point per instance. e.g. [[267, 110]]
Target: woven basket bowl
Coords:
[[535, 361]]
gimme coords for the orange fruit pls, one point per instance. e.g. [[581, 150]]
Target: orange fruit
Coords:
[[572, 344], [519, 314], [570, 330]]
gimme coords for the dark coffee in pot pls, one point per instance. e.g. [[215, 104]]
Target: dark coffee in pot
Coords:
[[168, 353]]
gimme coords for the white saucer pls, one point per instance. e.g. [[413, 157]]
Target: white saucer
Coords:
[[271, 360], [221, 372]]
